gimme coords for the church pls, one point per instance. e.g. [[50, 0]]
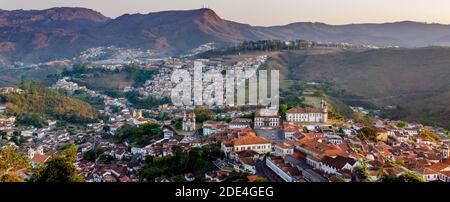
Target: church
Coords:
[[188, 122], [308, 114]]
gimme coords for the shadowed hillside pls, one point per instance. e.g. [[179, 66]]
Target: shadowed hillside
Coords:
[[416, 80]]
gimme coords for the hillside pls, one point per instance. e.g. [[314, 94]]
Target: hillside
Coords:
[[416, 80], [42, 35], [38, 103]]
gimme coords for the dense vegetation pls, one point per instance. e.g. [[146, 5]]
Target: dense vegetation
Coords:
[[203, 114], [144, 102], [265, 45], [39, 103], [60, 168], [10, 159], [93, 154], [368, 133], [197, 161], [94, 101], [140, 76], [109, 80], [406, 177], [429, 135], [413, 80], [138, 135]]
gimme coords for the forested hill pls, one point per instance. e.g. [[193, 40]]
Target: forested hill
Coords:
[[38, 103]]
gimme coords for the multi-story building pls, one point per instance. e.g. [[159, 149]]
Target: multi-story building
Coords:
[[308, 114], [188, 122], [248, 142], [267, 119]]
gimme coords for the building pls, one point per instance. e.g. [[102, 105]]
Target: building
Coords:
[[284, 170], [211, 127], [240, 123], [167, 133], [248, 142], [248, 165], [308, 114], [188, 122], [283, 149], [8, 90], [445, 151], [334, 165], [267, 119]]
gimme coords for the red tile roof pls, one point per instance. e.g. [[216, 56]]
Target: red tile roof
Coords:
[[250, 139], [40, 158]]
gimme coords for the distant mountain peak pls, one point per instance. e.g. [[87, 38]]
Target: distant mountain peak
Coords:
[[21, 16], [210, 14], [72, 13], [63, 32]]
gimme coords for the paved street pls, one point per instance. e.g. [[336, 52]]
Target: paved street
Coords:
[[263, 171]]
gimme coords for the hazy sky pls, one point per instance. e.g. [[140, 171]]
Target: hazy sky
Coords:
[[268, 12]]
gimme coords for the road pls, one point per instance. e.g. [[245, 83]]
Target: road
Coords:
[[263, 171]]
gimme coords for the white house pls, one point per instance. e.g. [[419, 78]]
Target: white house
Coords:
[[283, 149], [308, 114], [333, 165], [283, 170]]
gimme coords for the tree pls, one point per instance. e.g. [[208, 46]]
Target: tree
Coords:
[[197, 161], [25, 85], [3, 135], [39, 103], [361, 173], [203, 114], [139, 136], [261, 179], [283, 109], [238, 177], [106, 128], [364, 119], [368, 133], [411, 177], [429, 135], [9, 160], [164, 116], [402, 124], [179, 178], [248, 116], [60, 168], [16, 139], [106, 159], [406, 177], [93, 154]]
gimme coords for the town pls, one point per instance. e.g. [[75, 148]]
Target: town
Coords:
[[250, 144]]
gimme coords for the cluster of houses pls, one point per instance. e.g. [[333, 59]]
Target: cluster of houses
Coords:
[[312, 150], [301, 146]]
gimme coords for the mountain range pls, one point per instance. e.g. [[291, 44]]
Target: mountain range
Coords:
[[56, 33]]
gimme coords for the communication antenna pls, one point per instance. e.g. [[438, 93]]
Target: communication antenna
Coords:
[[205, 6]]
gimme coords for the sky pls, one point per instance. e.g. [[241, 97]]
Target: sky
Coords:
[[268, 12]]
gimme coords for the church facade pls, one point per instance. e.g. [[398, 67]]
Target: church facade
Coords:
[[188, 122]]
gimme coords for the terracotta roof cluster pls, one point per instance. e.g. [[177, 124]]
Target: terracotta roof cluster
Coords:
[[250, 139], [338, 162], [285, 167]]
